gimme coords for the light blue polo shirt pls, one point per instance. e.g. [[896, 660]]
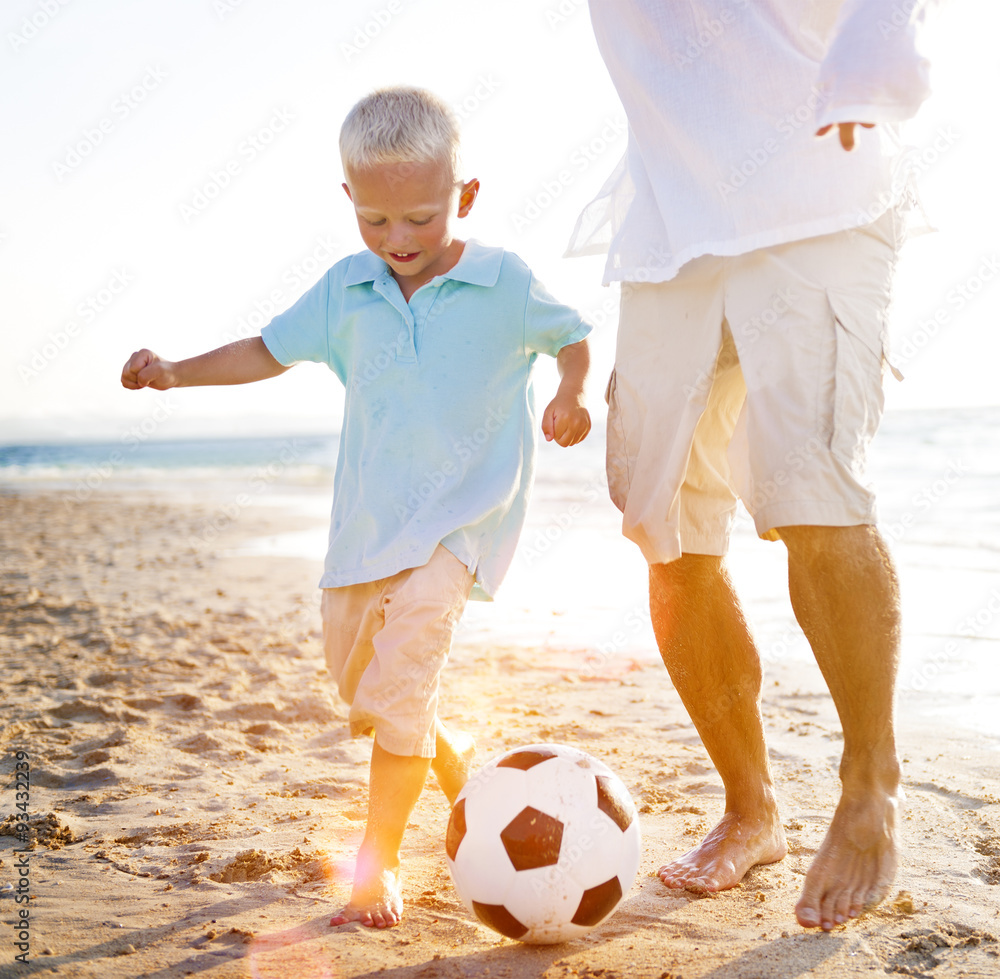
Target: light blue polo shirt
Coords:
[[439, 434]]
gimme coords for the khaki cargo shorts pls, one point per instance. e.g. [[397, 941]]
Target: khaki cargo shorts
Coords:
[[756, 377], [386, 643]]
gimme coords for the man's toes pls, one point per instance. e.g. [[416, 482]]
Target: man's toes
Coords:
[[673, 876], [840, 905], [828, 912], [806, 913]]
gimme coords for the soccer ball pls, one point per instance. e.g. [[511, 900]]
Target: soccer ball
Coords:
[[543, 843]]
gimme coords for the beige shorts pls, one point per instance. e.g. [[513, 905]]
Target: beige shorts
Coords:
[[386, 643], [756, 377]]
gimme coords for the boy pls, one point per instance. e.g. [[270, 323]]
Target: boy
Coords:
[[434, 339]]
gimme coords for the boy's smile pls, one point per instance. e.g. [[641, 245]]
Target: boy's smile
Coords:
[[405, 213]]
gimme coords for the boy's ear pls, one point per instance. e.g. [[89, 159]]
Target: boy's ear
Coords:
[[467, 197], [347, 190]]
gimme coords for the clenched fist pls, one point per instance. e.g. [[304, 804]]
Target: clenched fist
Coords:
[[146, 370]]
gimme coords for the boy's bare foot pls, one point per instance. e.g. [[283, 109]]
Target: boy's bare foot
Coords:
[[452, 765], [375, 903], [722, 859], [856, 863]]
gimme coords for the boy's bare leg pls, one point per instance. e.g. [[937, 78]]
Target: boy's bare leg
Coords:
[[394, 786], [452, 762], [708, 650], [846, 598]]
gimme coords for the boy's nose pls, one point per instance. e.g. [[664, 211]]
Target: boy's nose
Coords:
[[397, 235]]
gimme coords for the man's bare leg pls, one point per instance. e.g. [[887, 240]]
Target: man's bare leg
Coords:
[[394, 786], [708, 650], [845, 595], [452, 762]]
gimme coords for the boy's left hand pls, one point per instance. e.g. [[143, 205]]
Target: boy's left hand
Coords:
[[566, 420]]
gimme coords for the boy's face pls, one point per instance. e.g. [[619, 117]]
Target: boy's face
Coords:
[[405, 213]]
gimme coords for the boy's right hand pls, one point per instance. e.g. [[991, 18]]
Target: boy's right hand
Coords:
[[146, 370]]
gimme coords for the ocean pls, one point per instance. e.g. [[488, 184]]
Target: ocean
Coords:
[[578, 589]]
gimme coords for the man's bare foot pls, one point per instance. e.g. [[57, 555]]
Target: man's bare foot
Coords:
[[375, 903], [722, 859], [856, 863], [453, 763]]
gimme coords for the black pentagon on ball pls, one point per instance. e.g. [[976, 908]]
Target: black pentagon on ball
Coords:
[[532, 839], [598, 902], [525, 758], [615, 802], [456, 829], [497, 917]]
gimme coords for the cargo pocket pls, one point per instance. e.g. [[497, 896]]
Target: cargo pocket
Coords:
[[616, 460], [861, 360]]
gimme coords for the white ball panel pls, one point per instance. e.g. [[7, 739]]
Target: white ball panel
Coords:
[[482, 871], [543, 898], [592, 852], [561, 788], [493, 799]]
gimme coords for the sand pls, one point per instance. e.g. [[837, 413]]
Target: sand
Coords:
[[196, 802]]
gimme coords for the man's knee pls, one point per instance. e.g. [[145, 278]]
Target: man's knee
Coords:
[[825, 544], [687, 569]]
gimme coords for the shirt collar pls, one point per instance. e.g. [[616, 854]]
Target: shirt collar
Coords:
[[478, 266]]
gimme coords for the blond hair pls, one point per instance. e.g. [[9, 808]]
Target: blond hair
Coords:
[[399, 125]]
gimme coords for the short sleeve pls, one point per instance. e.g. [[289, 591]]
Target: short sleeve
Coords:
[[873, 70], [550, 325], [302, 331]]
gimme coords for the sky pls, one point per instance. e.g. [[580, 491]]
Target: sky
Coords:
[[170, 179]]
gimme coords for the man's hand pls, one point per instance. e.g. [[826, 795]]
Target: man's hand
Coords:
[[566, 420], [846, 130], [146, 370]]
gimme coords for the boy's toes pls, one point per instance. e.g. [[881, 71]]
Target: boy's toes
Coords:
[[376, 903], [384, 917]]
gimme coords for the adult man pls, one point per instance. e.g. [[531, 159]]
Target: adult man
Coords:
[[756, 263]]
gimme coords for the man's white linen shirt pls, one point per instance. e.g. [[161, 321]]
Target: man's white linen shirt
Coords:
[[724, 98], [440, 429]]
